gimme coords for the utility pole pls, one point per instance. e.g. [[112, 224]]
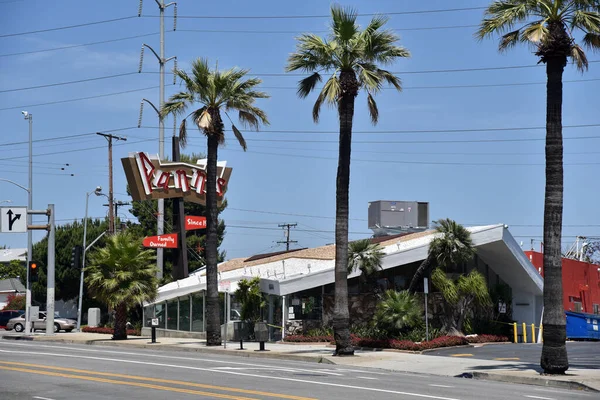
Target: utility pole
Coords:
[[111, 215], [161, 127], [117, 204], [287, 241]]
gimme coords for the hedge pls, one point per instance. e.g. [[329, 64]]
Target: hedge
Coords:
[[131, 332], [443, 341]]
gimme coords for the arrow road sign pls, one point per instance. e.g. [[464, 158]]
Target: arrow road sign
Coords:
[[13, 219]]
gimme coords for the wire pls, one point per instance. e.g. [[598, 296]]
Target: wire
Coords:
[[271, 32], [78, 99], [47, 139], [67, 27], [320, 16], [78, 45], [68, 83], [420, 141]]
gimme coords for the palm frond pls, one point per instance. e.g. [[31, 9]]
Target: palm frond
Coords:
[[368, 77], [332, 90], [373, 110], [592, 41], [312, 53], [579, 58], [317, 106], [183, 133], [534, 32], [504, 14], [239, 136], [390, 78], [449, 289], [177, 104], [509, 40], [306, 85], [364, 256], [343, 23], [587, 21]]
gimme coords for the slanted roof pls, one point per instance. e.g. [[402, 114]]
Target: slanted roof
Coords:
[[8, 255], [11, 285]]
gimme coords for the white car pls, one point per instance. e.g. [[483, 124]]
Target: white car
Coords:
[[60, 324]]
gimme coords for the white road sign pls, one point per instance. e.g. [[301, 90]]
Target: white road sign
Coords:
[[13, 219]]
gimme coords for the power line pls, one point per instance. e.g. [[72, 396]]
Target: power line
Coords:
[[321, 15], [66, 27], [78, 99], [420, 141], [77, 45], [69, 82], [47, 139], [287, 32]]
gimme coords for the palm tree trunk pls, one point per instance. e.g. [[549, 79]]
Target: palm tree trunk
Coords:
[[424, 267], [554, 352], [120, 332], [213, 325], [341, 317]]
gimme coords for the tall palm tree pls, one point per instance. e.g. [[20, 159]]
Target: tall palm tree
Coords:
[[549, 25], [349, 57], [215, 92], [451, 246], [122, 275], [366, 257]]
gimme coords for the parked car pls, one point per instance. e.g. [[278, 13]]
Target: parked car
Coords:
[[5, 315], [60, 324]]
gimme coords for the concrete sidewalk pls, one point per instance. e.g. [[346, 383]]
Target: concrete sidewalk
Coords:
[[392, 360]]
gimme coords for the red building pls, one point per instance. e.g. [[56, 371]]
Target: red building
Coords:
[[581, 283]]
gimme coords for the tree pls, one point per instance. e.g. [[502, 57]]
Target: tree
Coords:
[[251, 299], [366, 257], [460, 296], [215, 92], [145, 212], [349, 56], [451, 246], [13, 269], [122, 275], [398, 312], [15, 302], [549, 26]]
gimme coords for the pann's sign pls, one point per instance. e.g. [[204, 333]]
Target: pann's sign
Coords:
[[168, 241], [150, 179]]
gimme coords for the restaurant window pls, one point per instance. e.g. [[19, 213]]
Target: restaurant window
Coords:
[[172, 314], [198, 312], [184, 314]]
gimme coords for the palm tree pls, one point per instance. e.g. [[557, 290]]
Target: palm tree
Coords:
[[122, 275], [461, 296], [366, 257], [398, 312], [549, 25], [451, 246], [349, 56], [215, 92]]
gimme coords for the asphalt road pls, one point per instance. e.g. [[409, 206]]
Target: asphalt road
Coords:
[[62, 371], [584, 355]]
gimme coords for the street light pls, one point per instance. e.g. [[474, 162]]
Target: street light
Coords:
[[97, 192]]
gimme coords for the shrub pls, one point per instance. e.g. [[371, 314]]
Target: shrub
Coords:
[[106, 330], [320, 332], [15, 302], [398, 312], [487, 338], [307, 339]]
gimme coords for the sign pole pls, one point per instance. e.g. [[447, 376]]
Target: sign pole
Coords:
[[50, 277], [426, 290]]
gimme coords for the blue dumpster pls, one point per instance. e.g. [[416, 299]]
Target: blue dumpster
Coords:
[[583, 326]]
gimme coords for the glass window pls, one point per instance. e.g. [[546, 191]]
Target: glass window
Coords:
[[184, 314], [198, 312], [172, 314], [148, 315], [160, 314]]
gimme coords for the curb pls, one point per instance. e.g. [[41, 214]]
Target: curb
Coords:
[[529, 380], [319, 359]]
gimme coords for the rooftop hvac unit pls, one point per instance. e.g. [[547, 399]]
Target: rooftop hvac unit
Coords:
[[394, 217]]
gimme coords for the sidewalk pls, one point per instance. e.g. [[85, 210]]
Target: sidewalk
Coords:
[[505, 371]]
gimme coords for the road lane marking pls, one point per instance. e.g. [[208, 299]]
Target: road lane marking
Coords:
[[277, 367], [461, 355], [41, 398], [368, 377], [572, 392], [143, 378], [137, 384], [507, 359], [539, 397], [234, 373], [442, 386]]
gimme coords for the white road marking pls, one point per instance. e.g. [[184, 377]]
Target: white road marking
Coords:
[[572, 392], [539, 397], [442, 386], [367, 377], [273, 367], [42, 398], [426, 396]]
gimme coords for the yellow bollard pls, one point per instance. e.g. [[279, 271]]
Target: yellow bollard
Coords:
[[541, 333], [515, 332], [524, 332], [532, 333]]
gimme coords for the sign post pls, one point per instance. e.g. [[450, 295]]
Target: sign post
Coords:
[[426, 290]]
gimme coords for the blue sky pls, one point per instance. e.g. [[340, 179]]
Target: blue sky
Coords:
[[289, 177]]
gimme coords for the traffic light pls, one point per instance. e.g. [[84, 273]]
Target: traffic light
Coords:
[[76, 257], [33, 271]]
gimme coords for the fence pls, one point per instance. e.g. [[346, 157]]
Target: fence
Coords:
[[524, 332]]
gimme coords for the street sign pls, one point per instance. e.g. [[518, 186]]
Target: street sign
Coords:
[[13, 219], [168, 241]]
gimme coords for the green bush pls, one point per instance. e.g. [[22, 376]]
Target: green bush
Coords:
[[398, 313]]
